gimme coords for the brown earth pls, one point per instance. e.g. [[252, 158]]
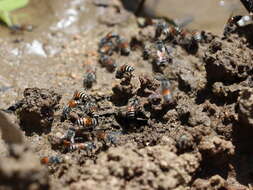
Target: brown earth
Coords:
[[200, 139]]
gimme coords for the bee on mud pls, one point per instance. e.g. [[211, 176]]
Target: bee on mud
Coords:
[[132, 108], [70, 135], [66, 110], [108, 44], [166, 91], [109, 37], [107, 48], [87, 122], [108, 63], [124, 71], [188, 41], [231, 25], [80, 146], [108, 137], [80, 96], [91, 108], [89, 78], [168, 31], [51, 160], [123, 46], [161, 58]]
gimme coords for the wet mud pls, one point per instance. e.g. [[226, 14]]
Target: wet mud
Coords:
[[133, 106]]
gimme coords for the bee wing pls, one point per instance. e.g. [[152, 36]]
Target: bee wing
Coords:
[[11, 133]]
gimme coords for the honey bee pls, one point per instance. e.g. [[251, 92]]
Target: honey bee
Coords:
[[161, 58], [70, 135], [231, 24], [106, 48], [51, 160], [80, 95], [168, 31], [132, 108], [109, 36], [110, 137], [89, 78], [66, 110], [91, 107], [107, 44], [87, 122], [123, 46], [108, 63], [124, 70], [245, 20], [81, 146], [166, 91]]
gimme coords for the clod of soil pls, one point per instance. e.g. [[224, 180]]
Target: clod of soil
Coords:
[[37, 111]]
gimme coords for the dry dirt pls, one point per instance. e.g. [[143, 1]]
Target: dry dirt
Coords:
[[200, 139]]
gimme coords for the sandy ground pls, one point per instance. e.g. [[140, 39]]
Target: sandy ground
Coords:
[[199, 139]]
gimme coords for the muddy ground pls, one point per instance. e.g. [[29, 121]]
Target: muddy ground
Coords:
[[199, 139]]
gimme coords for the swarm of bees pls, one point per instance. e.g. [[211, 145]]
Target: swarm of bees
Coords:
[[111, 43], [82, 112]]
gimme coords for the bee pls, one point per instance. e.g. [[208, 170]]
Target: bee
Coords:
[[89, 78], [109, 37], [110, 137], [188, 41], [231, 24], [87, 122], [197, 35], [106, 48], [168, 31], [123, 46], [124, 70], [161, 58], [132, 108], [107, 44], [166, 91], [91, 107], [80, 95], [21, 28], [108, 63], [51, 160], [66, 110], [245, 20], [70, 135], [81, 146]]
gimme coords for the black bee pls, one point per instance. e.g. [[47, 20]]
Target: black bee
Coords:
[[81, 96], [80, 146], [108, 63], [168, 31], [123, 71], [70, 135], [123, 46], [132, 108], [51, 160], [89, 78], [108, 44], [166, 91], [87, 122]]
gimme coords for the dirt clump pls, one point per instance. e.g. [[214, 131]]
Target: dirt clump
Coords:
[[37, 111]]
